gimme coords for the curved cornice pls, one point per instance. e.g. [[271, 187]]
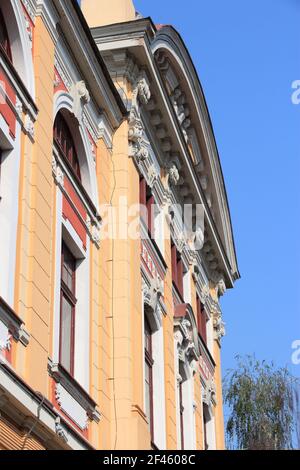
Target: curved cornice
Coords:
[[167, 39]]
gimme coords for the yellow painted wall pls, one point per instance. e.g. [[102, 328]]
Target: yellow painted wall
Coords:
[[107, 11]]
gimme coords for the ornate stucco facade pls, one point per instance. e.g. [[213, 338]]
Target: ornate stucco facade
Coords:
[[110, 324]]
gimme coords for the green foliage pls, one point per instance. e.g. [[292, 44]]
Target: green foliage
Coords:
[[263, 403]]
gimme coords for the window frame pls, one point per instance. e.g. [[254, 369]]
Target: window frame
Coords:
[[147, 201], [205, 423], [70, 296], [149, 362], [62, 137], [201, 320], [181, 412], [177, 268]]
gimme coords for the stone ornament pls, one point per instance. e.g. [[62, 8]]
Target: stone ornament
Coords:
[[152, 295], [81, 97], [140, 97], [57, 173], [219, 327], [209, 393]]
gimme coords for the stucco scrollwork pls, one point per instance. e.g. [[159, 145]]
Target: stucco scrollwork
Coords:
[[57, 173], [152, 294], [81, 97], [5, 338], [184, 337], [173, 175], [219, 327], [221, 287], [209, 393], [140, 96]]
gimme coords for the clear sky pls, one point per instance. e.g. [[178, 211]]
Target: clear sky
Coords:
[[247, 55]]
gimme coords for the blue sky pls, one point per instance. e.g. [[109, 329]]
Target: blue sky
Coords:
[[247, 55]]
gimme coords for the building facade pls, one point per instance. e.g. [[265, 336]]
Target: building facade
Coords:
[[110, 321]]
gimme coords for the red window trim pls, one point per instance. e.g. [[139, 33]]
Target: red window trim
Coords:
[[149, 362], [70, 296]]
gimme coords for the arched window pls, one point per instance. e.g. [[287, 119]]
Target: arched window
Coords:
[[64, 140], [4, 39]]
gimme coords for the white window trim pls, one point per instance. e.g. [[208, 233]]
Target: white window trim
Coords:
[[65, 231], [158, 372], [9, 209]]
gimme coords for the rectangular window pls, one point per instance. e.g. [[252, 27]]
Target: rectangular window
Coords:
[[149, 378], [205, 427], [177, 269], [148, 206], [67, 309], [201, 320]]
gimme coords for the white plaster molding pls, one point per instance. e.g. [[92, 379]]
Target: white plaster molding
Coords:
[[71, 407], [29, 126], [140, 96], [209, 393], [152, 294], [57, 173], [219, 327], [5, 337], [81, 97]]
